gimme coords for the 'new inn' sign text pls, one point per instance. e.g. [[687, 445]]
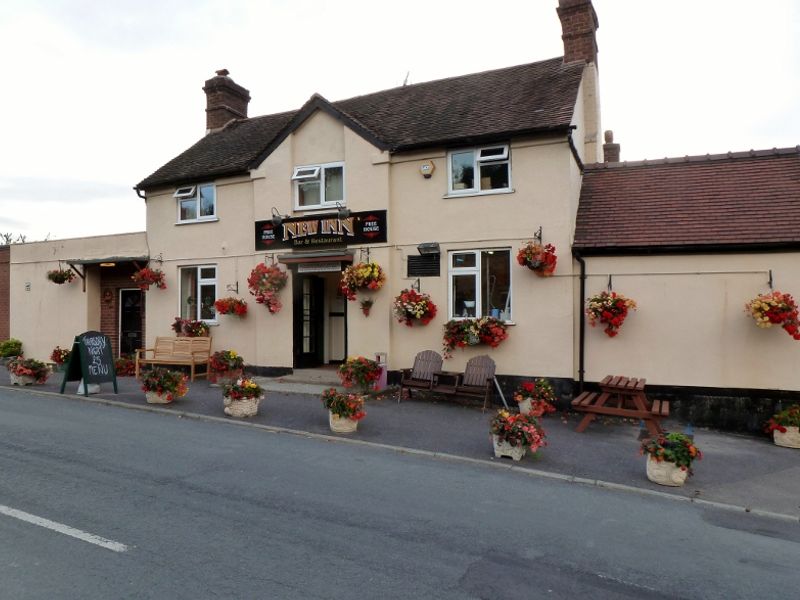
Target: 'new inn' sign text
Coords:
[[323, 231]]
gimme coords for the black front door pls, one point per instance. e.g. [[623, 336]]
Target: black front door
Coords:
[[130, 321], [309, 295]]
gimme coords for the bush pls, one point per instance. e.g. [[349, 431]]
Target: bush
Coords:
[[10, 347]]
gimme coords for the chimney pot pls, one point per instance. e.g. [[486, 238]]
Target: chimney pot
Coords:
[[225, 100], [223, 72], [611, 150]]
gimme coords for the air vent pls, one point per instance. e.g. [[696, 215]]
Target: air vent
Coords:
[[423, 265]]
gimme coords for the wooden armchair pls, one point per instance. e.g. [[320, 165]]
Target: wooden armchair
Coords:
[[420, 376], [477, 379]]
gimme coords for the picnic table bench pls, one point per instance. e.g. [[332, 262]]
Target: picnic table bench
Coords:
[[187, 351], [621, 396]]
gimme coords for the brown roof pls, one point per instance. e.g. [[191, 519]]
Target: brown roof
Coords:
[[691, 203], [531, 98]]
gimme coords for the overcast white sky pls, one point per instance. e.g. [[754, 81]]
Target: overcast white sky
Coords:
[[97, 95]]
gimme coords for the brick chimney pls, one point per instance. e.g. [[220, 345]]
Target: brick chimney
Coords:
[[578, 26], [610, 149], [225, 100]]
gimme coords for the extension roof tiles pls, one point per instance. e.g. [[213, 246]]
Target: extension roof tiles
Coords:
[[696, 203], [525, 99]]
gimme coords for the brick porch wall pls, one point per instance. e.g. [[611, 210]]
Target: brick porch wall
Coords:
[[114, 279], [5, 292]]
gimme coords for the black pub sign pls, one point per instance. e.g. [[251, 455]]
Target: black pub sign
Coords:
[[322, 231]]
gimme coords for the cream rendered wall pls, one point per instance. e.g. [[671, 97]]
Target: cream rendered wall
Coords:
[[692, 330], [51, 315], [540, 341]]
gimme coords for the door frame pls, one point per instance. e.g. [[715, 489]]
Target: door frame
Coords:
[[119, 316]]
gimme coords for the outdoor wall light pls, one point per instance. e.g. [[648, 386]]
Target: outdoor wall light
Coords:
[[277, 218], [428, 248], [341, 211]]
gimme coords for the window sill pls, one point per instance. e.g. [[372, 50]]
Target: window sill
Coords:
[[195, 221], [507, 323], [319, 207], [473, 194]]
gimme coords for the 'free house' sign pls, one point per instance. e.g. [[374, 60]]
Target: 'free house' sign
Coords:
[[322, 231]]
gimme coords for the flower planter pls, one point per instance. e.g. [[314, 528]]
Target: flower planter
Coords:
[[525, 406], [665, 473], [505, 449], [790, 439], [21, 379], [217, 379], [245, 407], [156, 398], [341, 425]]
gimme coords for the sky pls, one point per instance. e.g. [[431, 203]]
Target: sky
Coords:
[[97, 95]]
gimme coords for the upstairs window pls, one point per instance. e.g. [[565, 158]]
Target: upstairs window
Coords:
[[479, 170], [318, 186], [480, 284], [196, 202]]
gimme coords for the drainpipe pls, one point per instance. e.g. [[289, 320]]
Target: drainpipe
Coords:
[[582, 327], [572, 147], [139, 193]]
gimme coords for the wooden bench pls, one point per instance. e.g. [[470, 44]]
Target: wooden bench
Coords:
[[185, 351], [420, 376], [475, 382]]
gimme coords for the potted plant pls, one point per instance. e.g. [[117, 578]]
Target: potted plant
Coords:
[[225, 367], [360, 372], [785, 427], [535, 397], [241, 398], [344, 410], [190, 328], [362, 276], [265, 282], [669, 458], [145, 277], [459, 333], [162, 386], [10, 348], [61, 276], [60, 356], [775, 308], [538, 258], [513, 434], [27, 371], [366, 306], [413, 307], [231, 306], [124, 366], [609, 309]]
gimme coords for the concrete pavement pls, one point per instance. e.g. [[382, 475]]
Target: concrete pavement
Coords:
[[746, 473]]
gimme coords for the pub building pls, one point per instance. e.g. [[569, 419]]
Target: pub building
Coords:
[[441, 183]]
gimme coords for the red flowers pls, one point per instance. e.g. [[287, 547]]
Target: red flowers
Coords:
[[776, 308], [412, 306], [459, 333], [265, 283], [346, 406], [231, 306], [146, 277], [539, 259], [610, 309]]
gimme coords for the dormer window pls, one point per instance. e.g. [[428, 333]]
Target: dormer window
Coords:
[[483, 170], [318, 186], [196, 202]]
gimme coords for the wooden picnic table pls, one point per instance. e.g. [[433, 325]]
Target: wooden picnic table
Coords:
[[621, 396]]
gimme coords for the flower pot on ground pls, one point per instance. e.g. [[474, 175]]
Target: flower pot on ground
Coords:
[[669, 458], [344, 410], [514, 434], [538, 258], [60, 356], [609, 309], [189, 328], [225, 367], [776, 308], [27, 371], [162, 386], [241, 398], [535, 397], [124, 366], [359, 372], [785, 427]]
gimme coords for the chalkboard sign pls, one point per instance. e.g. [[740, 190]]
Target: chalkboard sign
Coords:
[[91, 360]]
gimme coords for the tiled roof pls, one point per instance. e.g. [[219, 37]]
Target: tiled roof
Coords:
[[530, 98], [726, 200]]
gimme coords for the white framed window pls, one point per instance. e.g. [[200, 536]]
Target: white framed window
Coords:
[[482, 170], [318, 186], [198, 292], [196, 202], [479, 283]]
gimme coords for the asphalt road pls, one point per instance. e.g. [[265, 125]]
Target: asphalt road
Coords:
[[210, 510]]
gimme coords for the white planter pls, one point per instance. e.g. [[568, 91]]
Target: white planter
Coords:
[[247, 407], [790, 439], [505, 449], [21, 379], [665, 473], [341, 425], [155, 398], [525, 406]]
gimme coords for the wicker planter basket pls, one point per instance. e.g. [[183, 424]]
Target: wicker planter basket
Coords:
[[341, 425], [225, 378], [21, 379], [505, 449], [665, 473], [790, 439], [156, 398], [246, 407]]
